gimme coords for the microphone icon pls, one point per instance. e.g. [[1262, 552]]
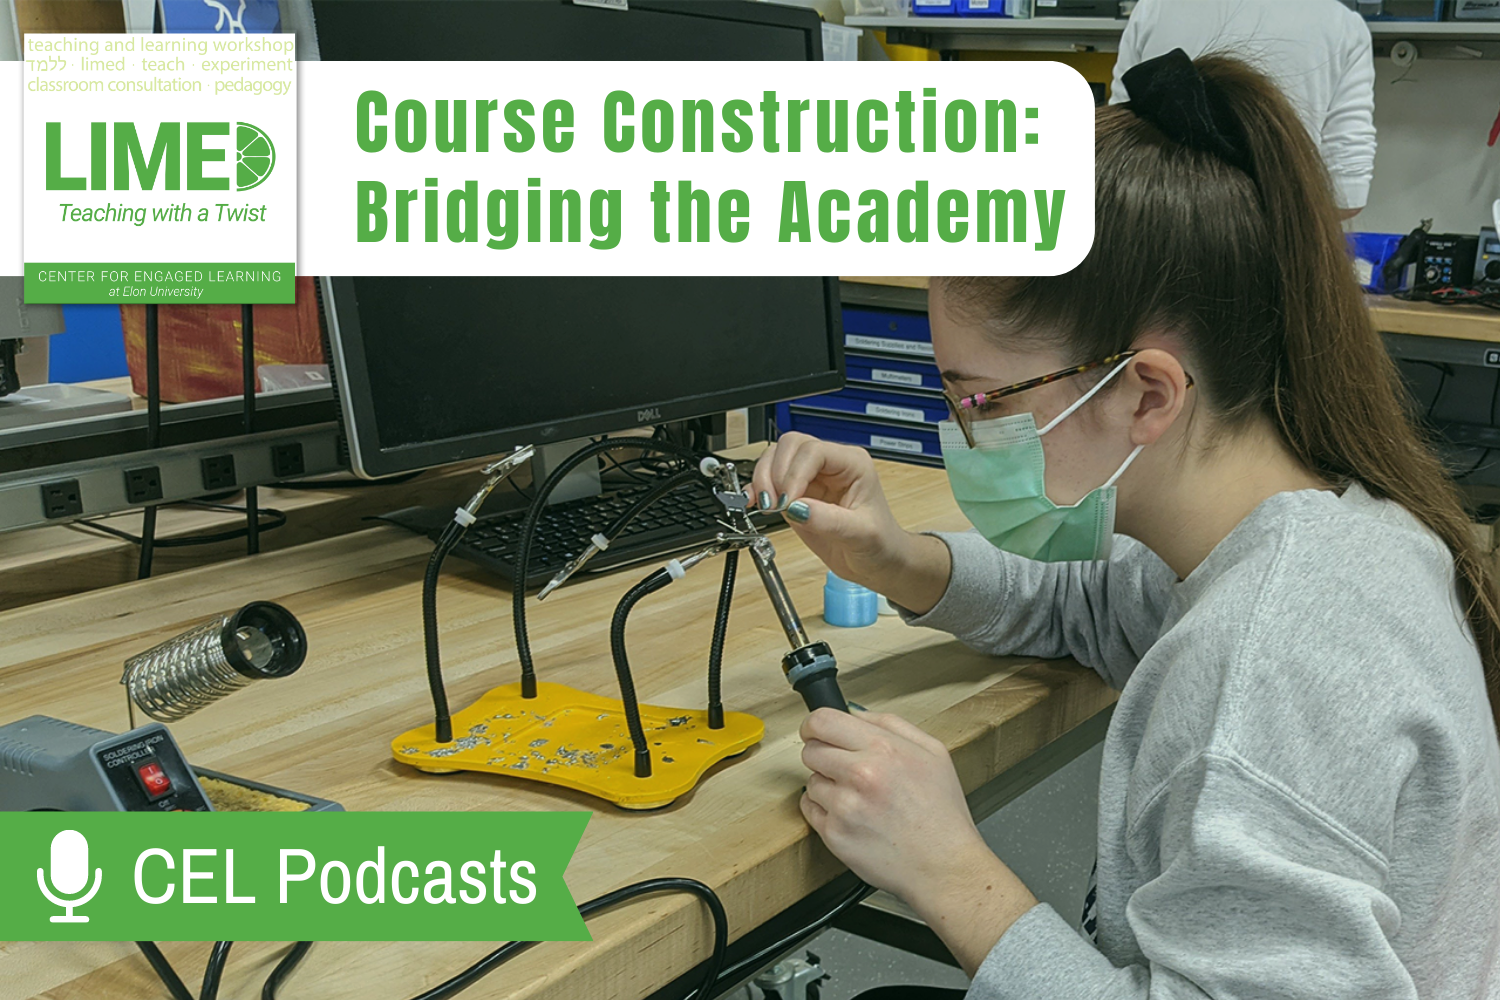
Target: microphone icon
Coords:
[[69, 869]]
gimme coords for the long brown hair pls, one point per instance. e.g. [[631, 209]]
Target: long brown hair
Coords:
[[1253, 275]]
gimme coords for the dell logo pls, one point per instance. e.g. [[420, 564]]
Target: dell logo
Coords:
[[648, 416]]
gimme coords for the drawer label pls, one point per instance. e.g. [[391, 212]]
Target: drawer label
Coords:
[[895, 412], [888, 344], [895, 378], [895, 444]]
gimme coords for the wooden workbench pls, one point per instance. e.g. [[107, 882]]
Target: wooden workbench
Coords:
[[327, 729], [44, 563]]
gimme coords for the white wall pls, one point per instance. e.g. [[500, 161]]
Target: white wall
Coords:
[[1432, 160]]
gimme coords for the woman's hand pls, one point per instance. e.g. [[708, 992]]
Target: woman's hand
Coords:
[[886, 800], [839, 510]]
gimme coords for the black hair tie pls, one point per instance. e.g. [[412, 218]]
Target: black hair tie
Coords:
[[1171, 94]]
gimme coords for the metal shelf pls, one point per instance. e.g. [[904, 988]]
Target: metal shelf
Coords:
[[1443, 39], [1044, 34]]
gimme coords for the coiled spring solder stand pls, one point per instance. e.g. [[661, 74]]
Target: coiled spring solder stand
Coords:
[[553, 733]]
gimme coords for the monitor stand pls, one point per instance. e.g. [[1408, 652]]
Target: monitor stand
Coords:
[[581, 482]]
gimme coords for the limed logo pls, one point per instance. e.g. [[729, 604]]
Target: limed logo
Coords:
[[182, 156]]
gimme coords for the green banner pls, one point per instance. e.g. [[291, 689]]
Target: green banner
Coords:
[[161, 284], [335, 876]]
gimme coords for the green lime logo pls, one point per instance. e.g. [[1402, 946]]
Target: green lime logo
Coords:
[[192, 156], [255, 156]]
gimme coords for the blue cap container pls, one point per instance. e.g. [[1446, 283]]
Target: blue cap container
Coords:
[[848, 605]]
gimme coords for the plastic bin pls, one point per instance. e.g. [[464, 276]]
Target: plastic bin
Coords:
[[887, 332], [897, 372], [840, 44], [866, 401], [916, 443], [1370, 251]]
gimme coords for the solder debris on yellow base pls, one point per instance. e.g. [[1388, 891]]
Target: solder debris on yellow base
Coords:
[[581, 741]]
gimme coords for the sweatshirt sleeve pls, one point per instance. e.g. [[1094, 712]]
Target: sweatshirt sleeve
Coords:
[[1259, 896], [1103, 614], [1348, 139], [1131, 43]]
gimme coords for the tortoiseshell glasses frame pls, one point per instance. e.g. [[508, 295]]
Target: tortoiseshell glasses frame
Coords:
[[963, 409]]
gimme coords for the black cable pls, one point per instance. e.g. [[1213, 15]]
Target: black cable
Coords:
[[214, 971], [1484, 456], [1443, 372], [284, 968], [534, 516], [349, 484], [624, 467], [505, 952], [442, 721], [274, 519], [716, 647], [164, 970], [755, 961], [247, 374], [687, 477], [650, 585], [453, 533], [153, 434]]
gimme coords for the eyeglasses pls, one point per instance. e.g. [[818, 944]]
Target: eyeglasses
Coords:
[[965, 409]]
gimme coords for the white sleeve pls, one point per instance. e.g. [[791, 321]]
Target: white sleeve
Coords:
[[1348, 139], [1132, 42]]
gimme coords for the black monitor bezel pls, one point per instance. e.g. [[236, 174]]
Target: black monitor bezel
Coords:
[[750, 11], [368, 459]]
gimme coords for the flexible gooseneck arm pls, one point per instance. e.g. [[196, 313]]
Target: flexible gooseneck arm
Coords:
[[453, 531]]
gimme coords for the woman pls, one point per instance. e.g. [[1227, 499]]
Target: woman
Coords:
[[1300, 788]]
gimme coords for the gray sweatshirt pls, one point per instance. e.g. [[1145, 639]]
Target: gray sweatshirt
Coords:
[[1300, 790]]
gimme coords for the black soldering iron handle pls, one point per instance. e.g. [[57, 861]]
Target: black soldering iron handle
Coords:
[[813, 673], [821, 692]]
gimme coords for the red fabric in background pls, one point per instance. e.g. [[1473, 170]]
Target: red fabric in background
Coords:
[[200, 345]]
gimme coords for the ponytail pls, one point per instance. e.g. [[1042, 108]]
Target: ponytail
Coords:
[[1253, 274]]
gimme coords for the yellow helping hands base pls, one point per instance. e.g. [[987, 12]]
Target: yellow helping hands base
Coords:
[[581, 741]]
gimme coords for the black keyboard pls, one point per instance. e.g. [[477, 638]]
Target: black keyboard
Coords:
[[683, 519]]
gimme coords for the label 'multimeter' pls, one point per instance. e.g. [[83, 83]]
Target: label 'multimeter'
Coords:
[[160, 168]]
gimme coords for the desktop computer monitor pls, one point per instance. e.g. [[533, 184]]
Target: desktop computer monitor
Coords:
[[445, 30], [433, 370]]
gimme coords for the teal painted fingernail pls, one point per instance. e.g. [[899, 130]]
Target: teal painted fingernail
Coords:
[[782, 502], [799, 512], [765, 500]]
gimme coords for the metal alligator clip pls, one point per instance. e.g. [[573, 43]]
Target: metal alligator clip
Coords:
[[497, 472]]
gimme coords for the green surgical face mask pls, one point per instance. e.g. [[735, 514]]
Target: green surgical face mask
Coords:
[[1000, 485]]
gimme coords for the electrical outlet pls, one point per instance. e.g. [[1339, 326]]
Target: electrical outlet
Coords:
[[287, 461], [62, 499], [143, 485], [218, 473]]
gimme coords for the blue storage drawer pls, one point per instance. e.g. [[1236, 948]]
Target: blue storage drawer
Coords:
[[907, 443], [888, 332], [898, 372], [905, 408]]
